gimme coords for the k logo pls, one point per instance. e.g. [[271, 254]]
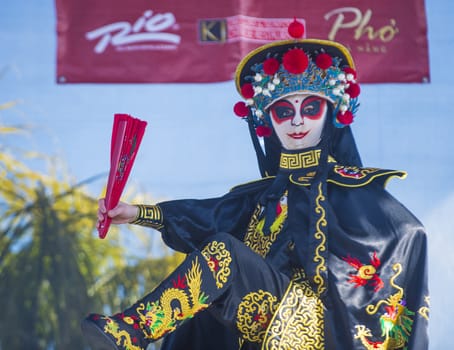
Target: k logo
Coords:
[[213, 30]]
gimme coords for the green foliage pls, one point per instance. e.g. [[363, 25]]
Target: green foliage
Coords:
[[54, 269]]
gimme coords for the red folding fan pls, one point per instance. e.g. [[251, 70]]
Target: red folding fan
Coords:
[[127, 133]]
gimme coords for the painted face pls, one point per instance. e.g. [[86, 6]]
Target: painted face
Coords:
[[298, 120]]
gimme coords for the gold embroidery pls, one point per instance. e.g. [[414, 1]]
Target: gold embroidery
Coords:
[[123, 338], [160, 317], [396, 323], [299, 160], [299, 275], [148, 215], [254, 314], [255, 238], [370, 174], [321, 222], [353, 172], [298, 324], [393, 299], [424, 310], [367, 272], [303, 180], [218, 258], [363, 333]]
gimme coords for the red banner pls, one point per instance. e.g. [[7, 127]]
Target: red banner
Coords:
[[142, 41]]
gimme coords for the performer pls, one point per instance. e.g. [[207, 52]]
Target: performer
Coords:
[[315, 255]]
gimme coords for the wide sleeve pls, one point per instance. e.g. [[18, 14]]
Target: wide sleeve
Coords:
[[188, 223], [406, 309], [380, 269], [417, 293], [185, 224]]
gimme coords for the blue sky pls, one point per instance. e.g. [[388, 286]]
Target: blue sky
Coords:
[[195, 147]]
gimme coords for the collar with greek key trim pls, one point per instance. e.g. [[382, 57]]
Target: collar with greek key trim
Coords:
[[299, 160], [308, 159]]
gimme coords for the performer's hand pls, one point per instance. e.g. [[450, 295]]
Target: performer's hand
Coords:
[[121, 214]]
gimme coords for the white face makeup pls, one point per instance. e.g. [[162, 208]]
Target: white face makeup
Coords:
[[298, 120]]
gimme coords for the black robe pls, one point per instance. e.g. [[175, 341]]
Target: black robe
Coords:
[[361, 252]]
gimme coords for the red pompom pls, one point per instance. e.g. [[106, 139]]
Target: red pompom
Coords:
[[324, 61], [345, 118], [247, 90], [353, 90], [263, 131], [240, 109], [270, 66], [349, 70], [296, 29], [295, 61]]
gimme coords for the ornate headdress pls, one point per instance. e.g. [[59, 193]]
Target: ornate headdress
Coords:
[[282, 68], [273, 71]]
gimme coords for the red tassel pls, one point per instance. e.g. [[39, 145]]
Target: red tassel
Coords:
[[323, 61], [345, 118], [295, 61], [263, 131], [240, 109], [296, 29]]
